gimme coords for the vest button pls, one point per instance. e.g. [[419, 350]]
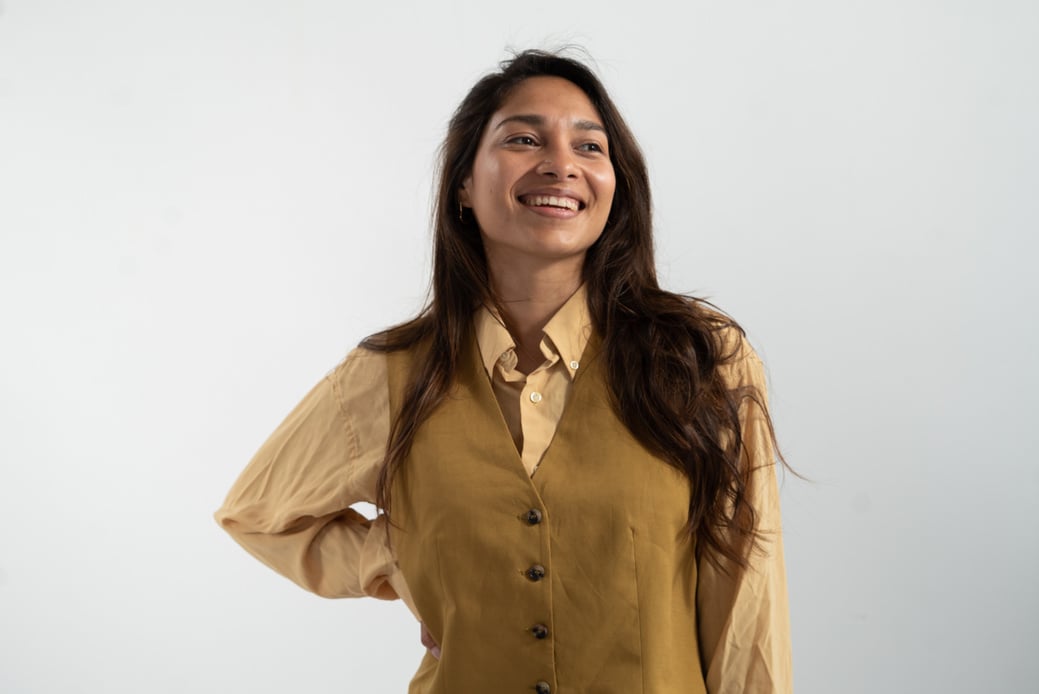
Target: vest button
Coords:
[[533, 516], [536, 572], [540, 631], [543, 688]]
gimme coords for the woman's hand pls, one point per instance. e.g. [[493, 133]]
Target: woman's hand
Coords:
[[429, 642]]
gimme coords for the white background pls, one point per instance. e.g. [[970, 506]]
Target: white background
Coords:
[[204, 205]]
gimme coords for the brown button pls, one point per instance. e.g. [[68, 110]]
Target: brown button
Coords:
[[536, 572], [540, 631], [543, 687], [533, 516]]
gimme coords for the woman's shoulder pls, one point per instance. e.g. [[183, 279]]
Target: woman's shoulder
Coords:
[[360, 358], [738, 362], [741, 366], [359, 380]]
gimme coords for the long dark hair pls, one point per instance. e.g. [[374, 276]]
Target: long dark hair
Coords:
[[663, 351]]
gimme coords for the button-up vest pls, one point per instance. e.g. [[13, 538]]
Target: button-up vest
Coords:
[[578, 580]]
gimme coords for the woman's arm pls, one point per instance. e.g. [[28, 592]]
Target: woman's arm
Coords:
[[744, 621], [290, 507]]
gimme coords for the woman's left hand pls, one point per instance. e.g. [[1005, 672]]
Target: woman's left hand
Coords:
[[429, 642]]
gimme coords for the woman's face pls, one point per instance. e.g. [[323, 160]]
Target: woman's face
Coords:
[[542, 183]]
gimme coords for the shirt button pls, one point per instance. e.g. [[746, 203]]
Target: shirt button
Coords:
[[535, 397], [540, 631], [543, 688], [574, 365], [533, 516], [536, 572]]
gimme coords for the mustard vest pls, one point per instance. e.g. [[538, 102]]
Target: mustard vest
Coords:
[[578, 580]]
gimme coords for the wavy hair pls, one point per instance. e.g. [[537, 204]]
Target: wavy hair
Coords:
[[663, 351]]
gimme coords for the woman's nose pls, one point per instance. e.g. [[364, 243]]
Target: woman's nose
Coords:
[[559, 162]]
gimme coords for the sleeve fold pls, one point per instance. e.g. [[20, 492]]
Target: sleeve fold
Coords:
[[743, 613], [291, 507]]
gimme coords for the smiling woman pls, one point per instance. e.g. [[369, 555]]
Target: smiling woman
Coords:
[[542, 182], [579, 465]]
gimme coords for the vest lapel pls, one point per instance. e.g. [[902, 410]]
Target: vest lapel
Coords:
[[473, 377]]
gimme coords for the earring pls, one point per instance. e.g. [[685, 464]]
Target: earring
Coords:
[[460, 210]]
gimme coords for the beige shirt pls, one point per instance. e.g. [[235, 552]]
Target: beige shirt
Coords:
[[532, 404], [291, 506]]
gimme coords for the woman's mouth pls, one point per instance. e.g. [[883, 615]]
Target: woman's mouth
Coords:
[[551, 201]]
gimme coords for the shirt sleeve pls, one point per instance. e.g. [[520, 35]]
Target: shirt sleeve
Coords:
[[291, 506], [743, 613]]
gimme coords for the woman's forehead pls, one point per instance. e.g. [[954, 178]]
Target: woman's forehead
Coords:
[[547, 97]]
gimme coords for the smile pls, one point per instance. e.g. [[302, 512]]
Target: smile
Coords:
[[551, 201]]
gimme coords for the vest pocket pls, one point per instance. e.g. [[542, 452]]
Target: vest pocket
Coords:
[[665, 580]]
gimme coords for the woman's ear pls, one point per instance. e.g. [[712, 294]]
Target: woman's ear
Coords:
[[463, 193]]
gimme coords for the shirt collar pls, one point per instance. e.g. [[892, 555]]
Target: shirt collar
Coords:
[[566, 334]]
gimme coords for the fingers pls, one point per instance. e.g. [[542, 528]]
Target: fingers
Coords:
[[429, 642]]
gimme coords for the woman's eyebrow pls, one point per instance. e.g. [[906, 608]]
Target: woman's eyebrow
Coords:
[[536, 120]]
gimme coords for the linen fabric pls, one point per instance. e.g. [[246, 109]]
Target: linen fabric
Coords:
[[581, 578], [291, 508], [532, 404]]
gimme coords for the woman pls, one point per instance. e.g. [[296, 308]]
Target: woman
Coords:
[[578, 465]]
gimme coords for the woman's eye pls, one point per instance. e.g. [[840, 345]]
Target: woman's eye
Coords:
[[521, 140], [591, 147]]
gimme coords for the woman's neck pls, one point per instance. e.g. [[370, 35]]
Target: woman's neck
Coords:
[[529, 297]]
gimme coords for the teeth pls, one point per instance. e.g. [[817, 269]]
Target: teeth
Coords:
[[550, 201]]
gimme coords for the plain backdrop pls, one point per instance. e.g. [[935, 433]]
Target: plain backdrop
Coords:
[[205, 205]]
